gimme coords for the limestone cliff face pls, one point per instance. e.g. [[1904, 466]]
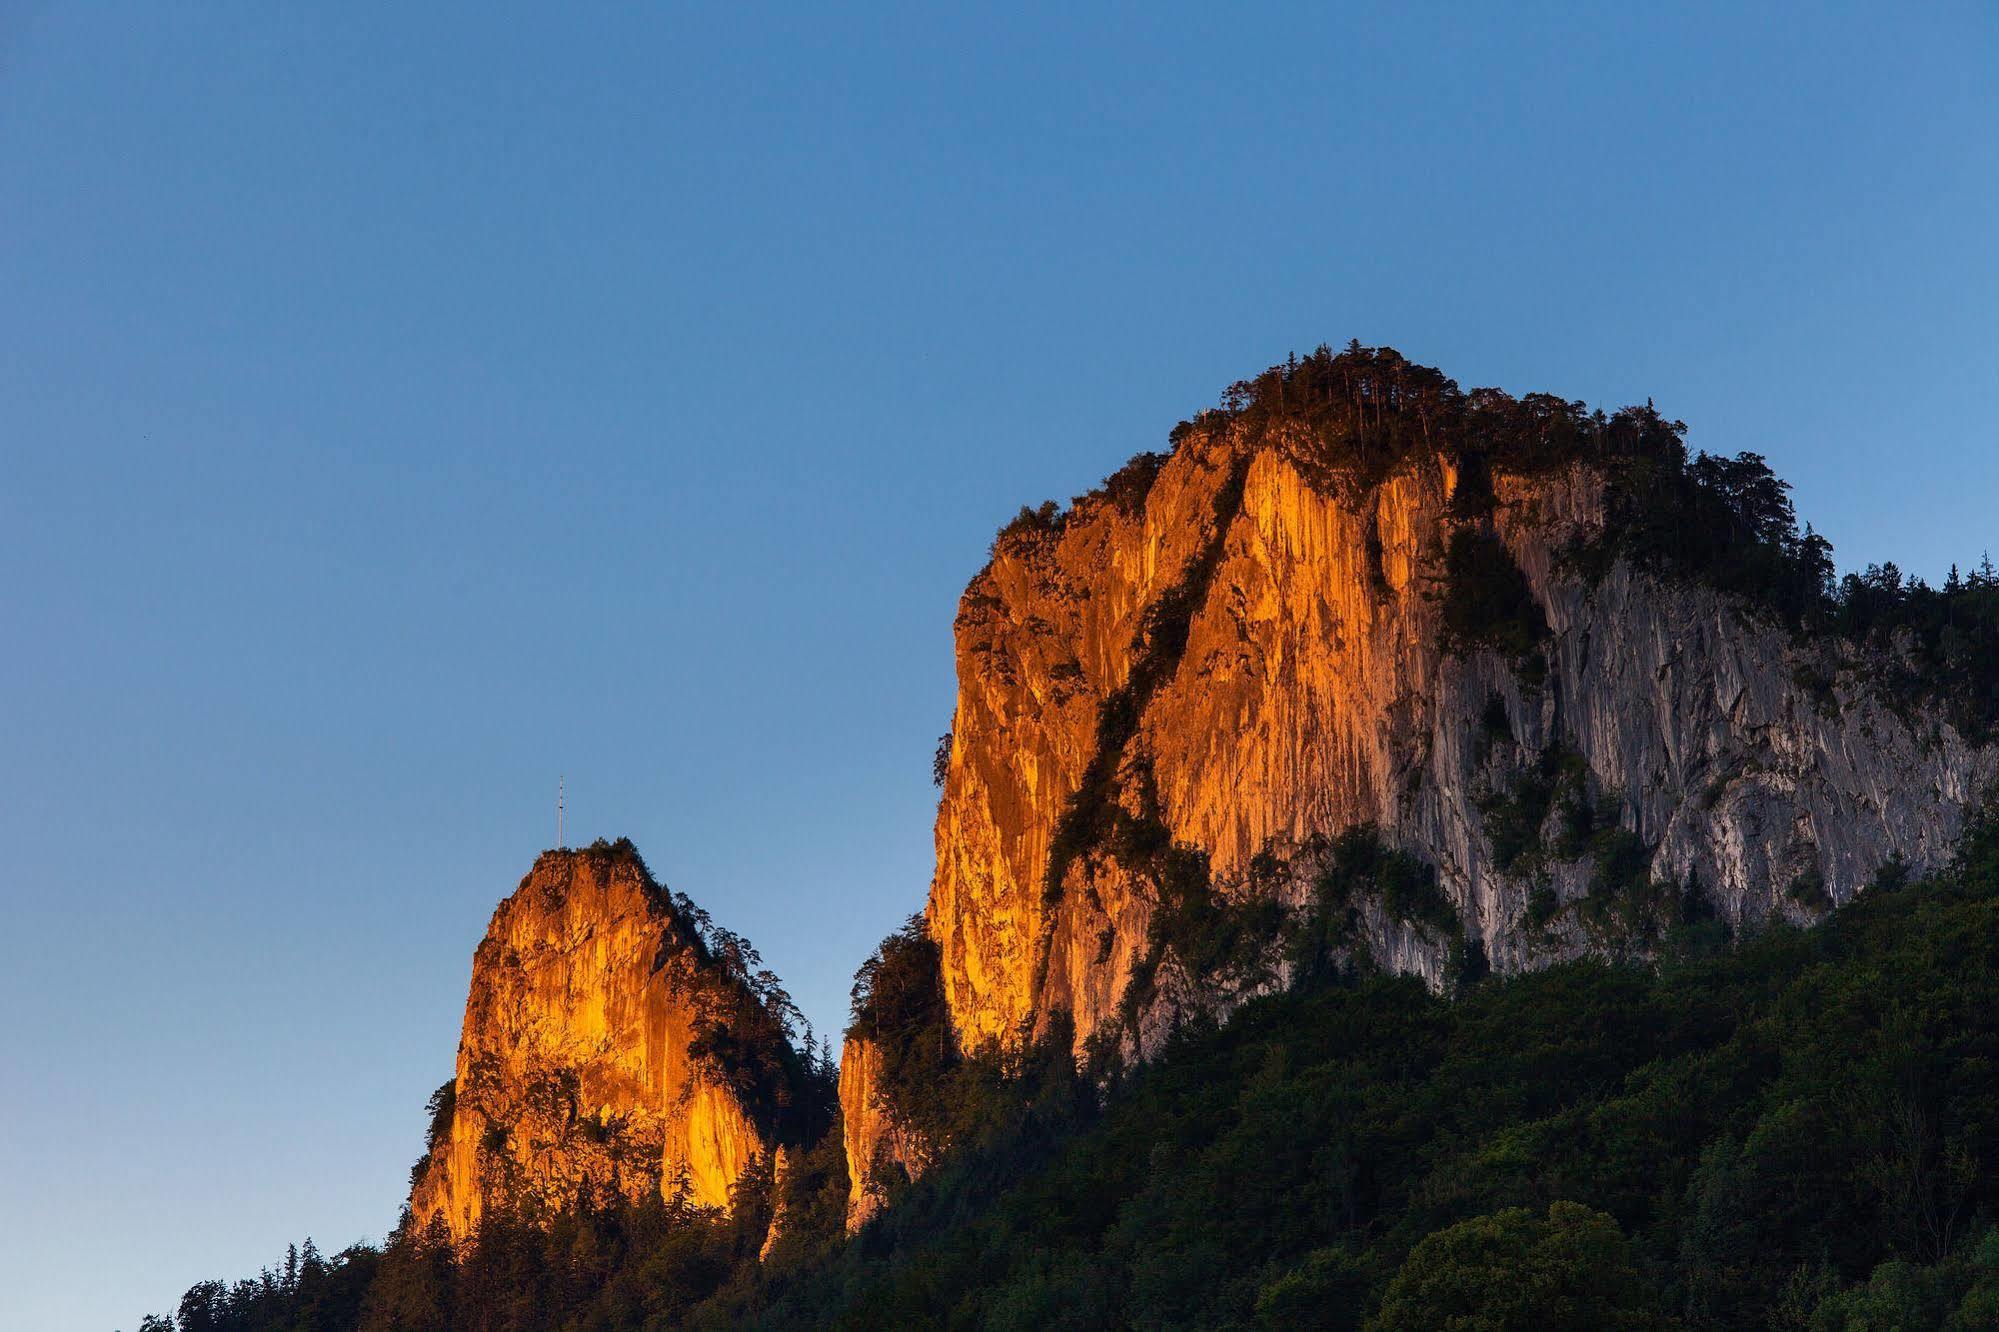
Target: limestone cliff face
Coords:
[[581, 1067], [1045, 634], [877, 1147], [1313, 692]]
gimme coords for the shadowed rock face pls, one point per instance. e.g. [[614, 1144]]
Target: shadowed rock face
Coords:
[[1313, 694], [578, 1069]]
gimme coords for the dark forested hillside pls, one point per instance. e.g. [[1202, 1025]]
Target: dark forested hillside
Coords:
[[1801, 1131]]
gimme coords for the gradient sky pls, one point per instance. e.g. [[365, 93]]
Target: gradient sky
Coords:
[[400, 409]]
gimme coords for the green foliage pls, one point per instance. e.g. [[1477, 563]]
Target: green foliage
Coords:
[[1467, 963], [1091, 811], [1129, 486], [441, 1107], [1031, 523], [926, 1088], [617, 1265], [1620, 879], [1495, 727], [1798, 1133], [1515, 815], [1513, 1271], [1327, 1289], [1898, 1296], [1211, 935], [1808, 891], [1487, 602], [1825, 1096], [1940, 643], [1624, 907], [305, 1293], [1407, 886], [1357, 867], [938, 1096], [1542, 906], [1361, 411], [813, 1205], [1726, 522]]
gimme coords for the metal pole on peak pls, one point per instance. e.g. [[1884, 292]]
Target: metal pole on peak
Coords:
[[559, 844]]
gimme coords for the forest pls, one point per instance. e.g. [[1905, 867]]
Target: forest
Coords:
[[1794, 1130]]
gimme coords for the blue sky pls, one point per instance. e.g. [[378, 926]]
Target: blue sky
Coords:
[[400, 409]]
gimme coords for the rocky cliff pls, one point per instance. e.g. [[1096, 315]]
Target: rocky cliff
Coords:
[[1179, 699], [876, 1143], [613, 1047]]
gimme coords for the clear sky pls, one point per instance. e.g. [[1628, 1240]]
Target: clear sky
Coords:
[[400, 407]]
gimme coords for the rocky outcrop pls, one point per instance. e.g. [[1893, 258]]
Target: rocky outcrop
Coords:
[[877, 1146], [588, 1063], [1187, 687], [781, 1169], [1243, 653]]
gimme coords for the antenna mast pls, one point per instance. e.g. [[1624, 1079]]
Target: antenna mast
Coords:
[[559, 843]]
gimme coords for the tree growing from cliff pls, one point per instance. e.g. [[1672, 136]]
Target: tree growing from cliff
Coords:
[[1487, 602], [898, 1006], [747, 1031], [441, 1108]]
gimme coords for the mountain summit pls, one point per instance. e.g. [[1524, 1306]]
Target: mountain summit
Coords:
[[617, 1047], [1368, 668]]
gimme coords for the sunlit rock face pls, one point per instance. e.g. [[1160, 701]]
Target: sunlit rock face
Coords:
[[877, 1147], [1313, 694], [578, 1071]]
